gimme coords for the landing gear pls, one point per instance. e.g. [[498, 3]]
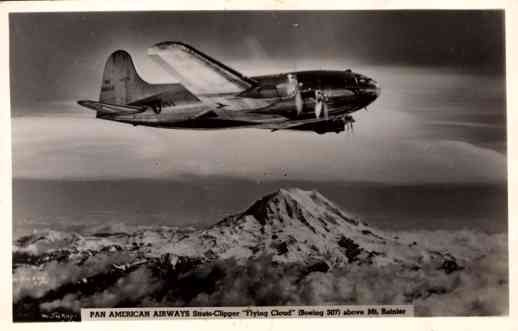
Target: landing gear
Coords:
[[348, 123]]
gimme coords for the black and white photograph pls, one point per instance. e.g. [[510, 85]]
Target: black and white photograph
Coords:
[[181, 159]]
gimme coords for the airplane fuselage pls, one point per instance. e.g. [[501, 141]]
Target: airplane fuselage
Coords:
[[268, 102], [212, 95]]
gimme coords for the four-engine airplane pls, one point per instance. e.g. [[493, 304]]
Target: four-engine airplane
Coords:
[[212, 95]]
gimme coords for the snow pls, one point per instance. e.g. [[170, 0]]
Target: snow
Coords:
[[298, 230], [292, 225]]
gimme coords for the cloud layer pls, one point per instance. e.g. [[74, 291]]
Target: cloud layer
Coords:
[[480, 288], [86, 148]]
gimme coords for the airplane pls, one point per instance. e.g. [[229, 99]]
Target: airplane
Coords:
[[211, 95]]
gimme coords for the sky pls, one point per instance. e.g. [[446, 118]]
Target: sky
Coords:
[[60, 56], [440, 116], [440, 119]]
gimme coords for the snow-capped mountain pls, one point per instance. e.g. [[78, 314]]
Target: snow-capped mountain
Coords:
[[293, 237], [300, 226], [292, 225]]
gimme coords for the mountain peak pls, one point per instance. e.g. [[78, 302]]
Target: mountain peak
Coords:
[[290, 225], [298, 204]]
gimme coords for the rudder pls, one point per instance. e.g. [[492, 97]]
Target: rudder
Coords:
[[121, 83]]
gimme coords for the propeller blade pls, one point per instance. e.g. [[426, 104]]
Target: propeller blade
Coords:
[[320, 104], [299, 103], [326, 111], [292, 86], [318, 108], [356, 86]]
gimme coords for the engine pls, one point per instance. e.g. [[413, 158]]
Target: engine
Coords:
[[337, 125]]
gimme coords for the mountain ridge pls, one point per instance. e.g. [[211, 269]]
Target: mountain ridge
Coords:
[[292, 225], [291, 247]]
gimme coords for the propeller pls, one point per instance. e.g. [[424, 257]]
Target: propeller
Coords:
[[299, 103], [293, 89], [326, 111], [356, 86], [321, 104], [352, 78]]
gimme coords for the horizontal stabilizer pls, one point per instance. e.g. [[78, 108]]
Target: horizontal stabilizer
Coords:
[[109, 109]]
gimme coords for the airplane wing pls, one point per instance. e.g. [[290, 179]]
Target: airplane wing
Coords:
[[291, 124], [199, 73], [206, 114], [335, 124]]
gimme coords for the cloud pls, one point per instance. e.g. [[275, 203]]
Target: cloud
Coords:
[[36, 282], [86, 148], [429, 125], [479, 288], [132, 288]]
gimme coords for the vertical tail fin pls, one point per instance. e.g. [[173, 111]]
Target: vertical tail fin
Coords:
[[121, 83]]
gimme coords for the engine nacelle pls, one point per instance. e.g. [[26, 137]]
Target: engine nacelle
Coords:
[[336, 125]]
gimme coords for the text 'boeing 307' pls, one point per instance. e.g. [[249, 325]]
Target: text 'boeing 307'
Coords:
[[214, 96]]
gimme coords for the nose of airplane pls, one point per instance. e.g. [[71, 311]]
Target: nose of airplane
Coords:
[[374, 89], [377, 89]]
